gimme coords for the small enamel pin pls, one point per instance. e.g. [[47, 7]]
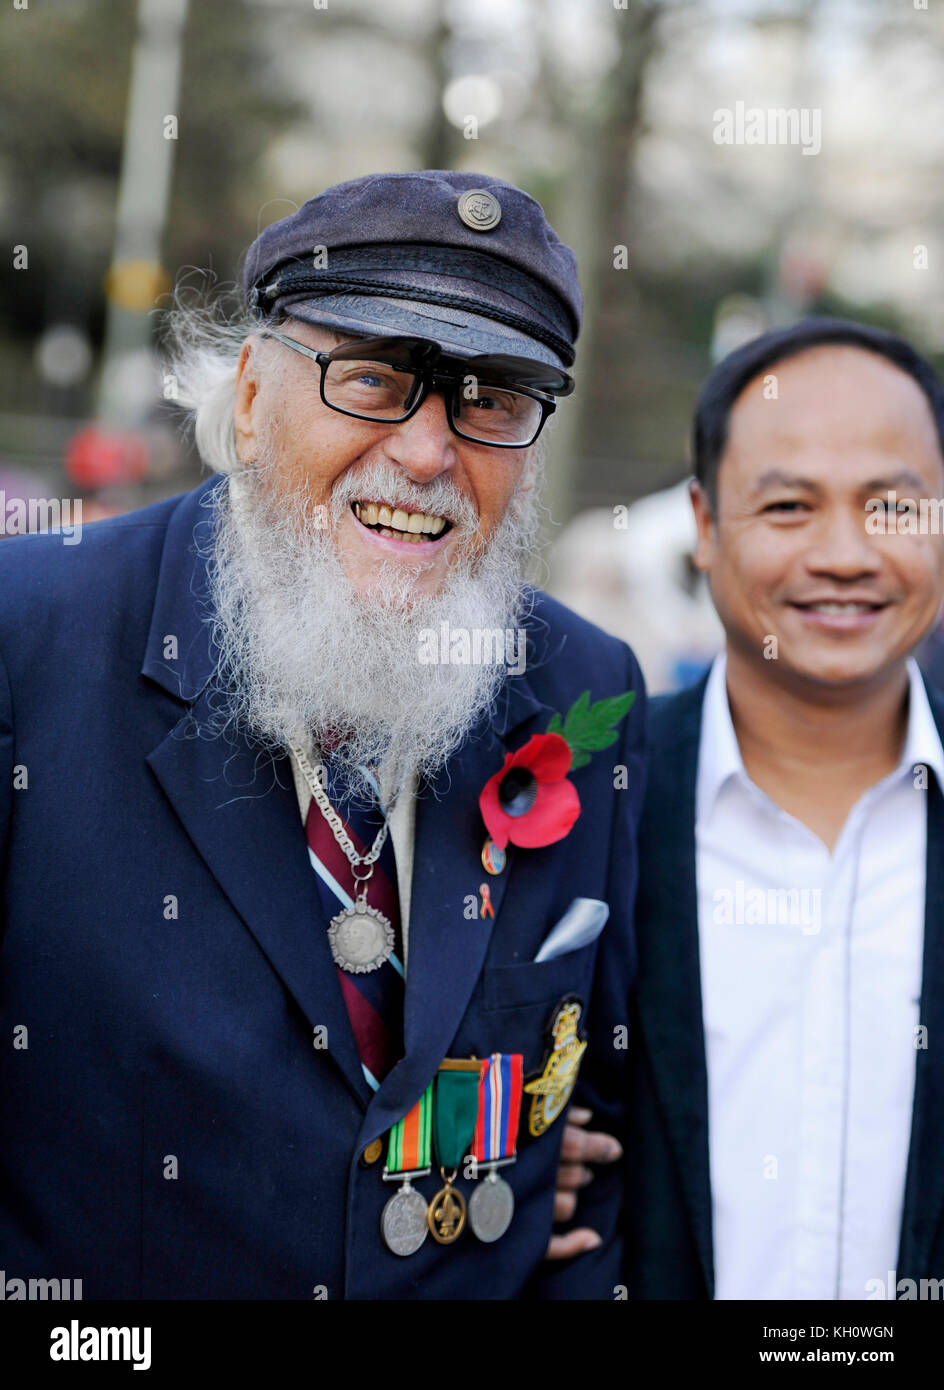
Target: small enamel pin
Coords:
[[493, 858]]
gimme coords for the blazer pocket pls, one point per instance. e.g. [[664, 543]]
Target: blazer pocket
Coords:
[[543, 982]]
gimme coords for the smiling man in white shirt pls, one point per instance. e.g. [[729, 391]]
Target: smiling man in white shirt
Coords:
[[788, 1102]]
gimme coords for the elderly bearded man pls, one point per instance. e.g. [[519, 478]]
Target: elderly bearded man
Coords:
[[282, 915]]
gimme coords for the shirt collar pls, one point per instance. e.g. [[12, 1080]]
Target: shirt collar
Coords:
[[922, 740], [719, 756]]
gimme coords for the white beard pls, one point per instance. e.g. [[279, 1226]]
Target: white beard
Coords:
[[304, 657]]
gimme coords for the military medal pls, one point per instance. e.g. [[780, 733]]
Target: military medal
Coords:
[[403, 1220], [445, 1215], [455, 1111], [361, 937], [551, 1090], [491, 1207], [492, 1203]]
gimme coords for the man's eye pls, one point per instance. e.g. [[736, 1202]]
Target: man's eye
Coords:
[[786, 507], [902, 505], [507, 403], [372, 374]]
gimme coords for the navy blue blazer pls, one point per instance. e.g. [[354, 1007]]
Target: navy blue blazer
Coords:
[[163, 1041], [668, 1199]]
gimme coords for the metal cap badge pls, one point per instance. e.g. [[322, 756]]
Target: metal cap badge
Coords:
[[479, 209]]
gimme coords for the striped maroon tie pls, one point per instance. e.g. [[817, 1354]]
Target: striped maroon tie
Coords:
[[375, 1000]]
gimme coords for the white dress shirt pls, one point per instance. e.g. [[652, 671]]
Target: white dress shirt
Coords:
[[811, 974]]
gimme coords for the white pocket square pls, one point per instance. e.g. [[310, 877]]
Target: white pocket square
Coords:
[[581, 923]]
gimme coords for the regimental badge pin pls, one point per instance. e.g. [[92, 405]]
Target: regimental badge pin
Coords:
[[551, 1090]]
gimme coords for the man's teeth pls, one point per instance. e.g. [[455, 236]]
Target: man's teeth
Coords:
[[399, 524], [841, 609]]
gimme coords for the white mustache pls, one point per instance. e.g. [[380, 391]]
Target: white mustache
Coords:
[[385, 482]]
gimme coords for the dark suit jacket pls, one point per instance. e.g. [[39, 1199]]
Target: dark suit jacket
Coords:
[[668, 1202], [191, 1035]]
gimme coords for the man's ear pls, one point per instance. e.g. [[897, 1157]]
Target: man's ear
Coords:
[[247, 387], [705, 523]]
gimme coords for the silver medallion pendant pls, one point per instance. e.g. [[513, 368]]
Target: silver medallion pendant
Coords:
[[403, 1221], [491, 1207], [361, 938]]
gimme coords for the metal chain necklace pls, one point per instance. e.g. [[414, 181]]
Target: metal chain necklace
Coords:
[[361, 937]]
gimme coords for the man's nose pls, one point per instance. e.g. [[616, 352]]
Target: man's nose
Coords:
[[843, 547], [424, 445]]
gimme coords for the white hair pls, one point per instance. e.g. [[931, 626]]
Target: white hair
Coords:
[[202, 338]]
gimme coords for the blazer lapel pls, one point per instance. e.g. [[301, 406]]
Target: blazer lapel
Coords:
[[924, 1186], [669, 983], [238, 805], [446, 946]]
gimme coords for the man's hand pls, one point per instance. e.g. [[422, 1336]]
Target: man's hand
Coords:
[[580, 1147]]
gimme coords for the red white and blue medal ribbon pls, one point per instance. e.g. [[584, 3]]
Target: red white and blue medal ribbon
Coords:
[[500, 1088], [492, 1204]]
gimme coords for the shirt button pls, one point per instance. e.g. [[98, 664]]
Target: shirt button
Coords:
[[372, 1152]]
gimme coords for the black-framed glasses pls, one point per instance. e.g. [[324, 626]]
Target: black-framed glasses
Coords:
[[495, 399]]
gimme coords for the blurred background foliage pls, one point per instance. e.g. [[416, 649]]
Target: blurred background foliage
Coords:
[[603, 109]]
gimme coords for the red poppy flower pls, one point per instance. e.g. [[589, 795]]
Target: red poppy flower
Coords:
[[530, 801]]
